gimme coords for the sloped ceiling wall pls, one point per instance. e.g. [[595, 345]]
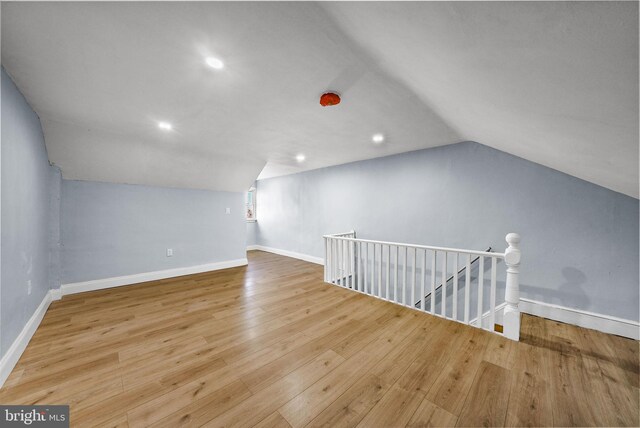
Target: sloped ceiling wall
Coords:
[[552, 83]]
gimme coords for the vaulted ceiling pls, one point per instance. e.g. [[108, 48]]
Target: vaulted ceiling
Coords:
[[554, 83]]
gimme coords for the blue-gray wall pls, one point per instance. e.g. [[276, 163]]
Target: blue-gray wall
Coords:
[[30, 188], [252, 233], [579, 240], [113, 230]]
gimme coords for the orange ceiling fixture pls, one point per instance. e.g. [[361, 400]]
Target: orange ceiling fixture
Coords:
[[329, 99]]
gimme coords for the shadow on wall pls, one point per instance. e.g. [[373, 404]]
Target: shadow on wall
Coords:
[[569, 293]]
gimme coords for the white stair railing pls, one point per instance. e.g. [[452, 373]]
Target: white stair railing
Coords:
[[408, 273]]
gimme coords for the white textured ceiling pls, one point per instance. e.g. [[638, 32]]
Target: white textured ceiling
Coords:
[[552, 82], [555, 83]]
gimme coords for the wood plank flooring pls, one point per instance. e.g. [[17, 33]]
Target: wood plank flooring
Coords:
[[271, 345]]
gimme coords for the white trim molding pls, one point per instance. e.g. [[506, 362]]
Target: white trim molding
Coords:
[[118, 281], [499, 316], [56, 294], [13, 354], [600, 322], [287, 253]]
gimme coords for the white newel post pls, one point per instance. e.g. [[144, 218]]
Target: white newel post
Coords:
[[512, 292]]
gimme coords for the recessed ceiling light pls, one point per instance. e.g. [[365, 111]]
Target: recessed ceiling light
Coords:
[[300, 157], [214, 63], [165, 126], [377, 138]]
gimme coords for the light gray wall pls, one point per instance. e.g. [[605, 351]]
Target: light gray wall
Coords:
[[30, 186], [55, 201], [113, 230], [579, 240], [252, 233]]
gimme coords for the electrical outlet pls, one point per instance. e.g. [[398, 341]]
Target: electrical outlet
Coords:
[[227, 210], [169, 252], [29, 287]]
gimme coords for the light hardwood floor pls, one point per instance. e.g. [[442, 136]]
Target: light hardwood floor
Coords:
[[271, 345]]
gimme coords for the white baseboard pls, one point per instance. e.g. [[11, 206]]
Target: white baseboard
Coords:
[[56, 294], [11, 357], [486, 316], [287, 253], [99, 284], [600, 322]]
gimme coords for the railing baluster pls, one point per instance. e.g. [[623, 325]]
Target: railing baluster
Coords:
[[492, 315], [395, 275], [330, 266], [339, 262], [336, 260], [350, 262], [343, 274], [334, 274], [454, 315], [433, 282], [340, 268], [345, 269], [380, 273], [359, 268], [413, 279], [388, 269], [467, 286], [371, 268], [404, 277], [354, 259], [480, 290], [366, 268], [373, 271], [347, 261], [424, 279], [353, 265], [443, 292]]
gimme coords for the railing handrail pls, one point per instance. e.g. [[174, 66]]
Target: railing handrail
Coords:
[[338, 235], [421, 247]]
